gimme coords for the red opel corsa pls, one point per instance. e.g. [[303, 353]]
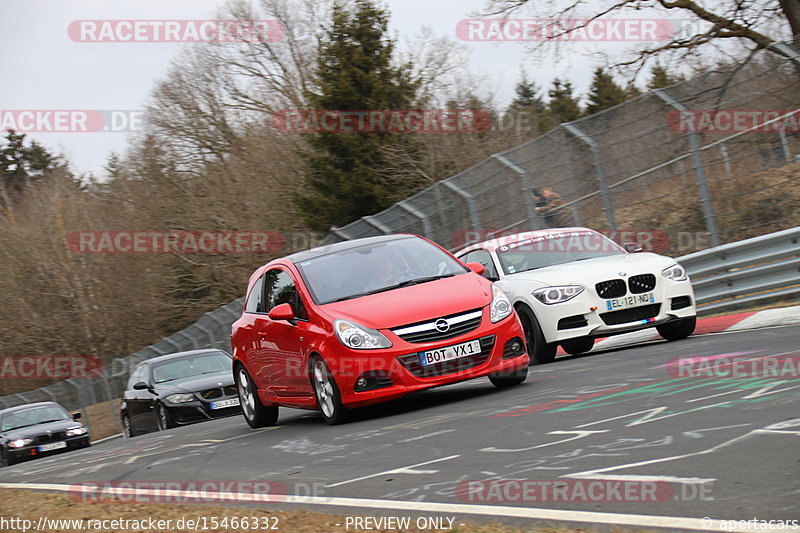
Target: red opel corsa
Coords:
[[365, 321]]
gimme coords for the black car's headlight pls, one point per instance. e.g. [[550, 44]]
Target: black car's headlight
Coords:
[[76, 432], [675, 273], [19, 443], [557, 295], [180, 398]]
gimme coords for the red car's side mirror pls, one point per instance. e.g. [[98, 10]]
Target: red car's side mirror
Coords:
[[281, 312], [477, 268]]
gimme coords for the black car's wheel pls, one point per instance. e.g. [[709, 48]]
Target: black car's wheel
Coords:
[[677, 329], [541, 352], [328, 396], [163, 420], [508, 379], [256, 414], [127, 432], [578, 346]]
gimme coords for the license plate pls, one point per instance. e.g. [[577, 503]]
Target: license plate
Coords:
[[52, 446], [633, 300], [233, 402], [448, 353]]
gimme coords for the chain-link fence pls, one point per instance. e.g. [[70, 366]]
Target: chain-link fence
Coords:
[[707, 161], [211, 331], [703, 162]]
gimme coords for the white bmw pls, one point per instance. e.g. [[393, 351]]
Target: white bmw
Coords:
[[571, 286]]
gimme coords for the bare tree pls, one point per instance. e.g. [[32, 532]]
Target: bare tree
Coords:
[[755, 24]]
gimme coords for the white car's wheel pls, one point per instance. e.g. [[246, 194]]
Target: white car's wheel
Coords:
[[677, 329], [541, 351], [578, 346]]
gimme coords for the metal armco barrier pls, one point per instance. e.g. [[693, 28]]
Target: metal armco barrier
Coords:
[[751, 272]]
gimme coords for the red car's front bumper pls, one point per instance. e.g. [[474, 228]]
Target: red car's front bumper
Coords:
[[401, 373]]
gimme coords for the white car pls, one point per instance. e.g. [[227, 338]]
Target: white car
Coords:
[[571, 286]]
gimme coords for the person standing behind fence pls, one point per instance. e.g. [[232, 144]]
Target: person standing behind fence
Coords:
[[546, 203]]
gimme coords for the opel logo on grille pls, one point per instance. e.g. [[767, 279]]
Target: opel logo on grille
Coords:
[[442, 325]]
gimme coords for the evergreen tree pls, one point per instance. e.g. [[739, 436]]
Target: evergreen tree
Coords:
[[21, 165], [526, 96], [563, 106], [660, 78], [604, 92], [354, 72]]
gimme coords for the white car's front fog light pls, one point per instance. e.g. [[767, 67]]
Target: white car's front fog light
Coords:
[[359, 337], [501, 305], [557, 295], [675, 273], [180, 398]]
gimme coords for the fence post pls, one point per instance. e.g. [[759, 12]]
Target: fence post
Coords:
[[699, 170], [380, 226], [470, 200], [426, 223], [600, 171], [527, 185]]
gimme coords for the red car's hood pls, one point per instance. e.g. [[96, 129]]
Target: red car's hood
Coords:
[[415, 303]]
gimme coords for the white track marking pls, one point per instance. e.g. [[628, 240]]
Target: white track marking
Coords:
[[635, 520], [578, 435], [593, 474], [402, 470], [426, 436]]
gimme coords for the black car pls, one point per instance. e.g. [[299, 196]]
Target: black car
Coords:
[[178, 389], [38, 430]]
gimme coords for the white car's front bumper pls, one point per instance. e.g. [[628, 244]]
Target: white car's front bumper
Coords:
[[575, 318]]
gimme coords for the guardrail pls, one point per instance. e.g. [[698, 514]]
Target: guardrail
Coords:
[[746, 273]]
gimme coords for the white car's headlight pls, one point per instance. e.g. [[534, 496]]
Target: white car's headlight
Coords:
[[675, 273], [557, 295], [359, 337], [180, 398], [19, 443], [74, 432], [501, 305]]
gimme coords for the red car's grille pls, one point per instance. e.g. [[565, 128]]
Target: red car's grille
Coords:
[[412, 363], [443, 328]]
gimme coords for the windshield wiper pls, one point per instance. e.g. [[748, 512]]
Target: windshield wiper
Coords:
[[405, 283]]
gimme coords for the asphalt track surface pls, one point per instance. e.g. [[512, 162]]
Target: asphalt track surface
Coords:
[[727, 448]]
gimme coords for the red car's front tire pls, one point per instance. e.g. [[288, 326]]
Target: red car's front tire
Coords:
[[327, 392]]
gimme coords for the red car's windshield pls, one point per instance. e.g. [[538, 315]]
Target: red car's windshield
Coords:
[[375, 268]]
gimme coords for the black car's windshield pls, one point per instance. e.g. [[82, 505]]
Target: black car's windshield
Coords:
[[33, 416], [376, 268], [555, 249], [191, 366]]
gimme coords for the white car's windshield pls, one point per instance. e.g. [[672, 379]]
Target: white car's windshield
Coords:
[[375, 268], [555, 249]]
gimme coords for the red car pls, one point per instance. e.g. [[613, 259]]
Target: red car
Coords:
[[369, 320]]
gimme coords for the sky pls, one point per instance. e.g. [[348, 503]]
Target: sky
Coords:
[[46, 70]]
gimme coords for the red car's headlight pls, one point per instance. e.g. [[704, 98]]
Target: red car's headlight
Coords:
[[359, 337]]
